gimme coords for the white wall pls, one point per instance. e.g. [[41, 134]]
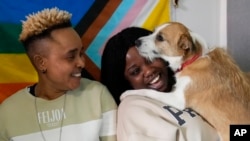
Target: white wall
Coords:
[[205, 17], [238, 31]]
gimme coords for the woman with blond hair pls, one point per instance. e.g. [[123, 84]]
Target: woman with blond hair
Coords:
[[61, 106]]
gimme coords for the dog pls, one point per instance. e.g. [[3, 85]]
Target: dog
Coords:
[[207, 79]]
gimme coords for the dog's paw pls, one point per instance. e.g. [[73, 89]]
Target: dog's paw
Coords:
[[132, 92]]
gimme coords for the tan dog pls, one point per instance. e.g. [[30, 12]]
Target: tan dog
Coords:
[[207, 81]]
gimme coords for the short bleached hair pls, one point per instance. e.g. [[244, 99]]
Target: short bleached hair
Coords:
[[42, 21]]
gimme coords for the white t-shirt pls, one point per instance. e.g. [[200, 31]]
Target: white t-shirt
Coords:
[[143, 119]]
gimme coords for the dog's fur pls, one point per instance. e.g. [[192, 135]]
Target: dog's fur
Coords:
[[212, 85]]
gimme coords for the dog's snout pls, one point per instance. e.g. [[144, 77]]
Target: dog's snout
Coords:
[[137, 43]]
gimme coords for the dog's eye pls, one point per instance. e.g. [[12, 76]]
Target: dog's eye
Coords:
[[159, 38]]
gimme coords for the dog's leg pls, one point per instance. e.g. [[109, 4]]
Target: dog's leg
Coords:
[[174, 99]]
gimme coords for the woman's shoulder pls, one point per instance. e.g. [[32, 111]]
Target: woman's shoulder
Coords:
[[139, 101], [92, 87], [18, 98], [136, 106], [95, 91], [86, 83]]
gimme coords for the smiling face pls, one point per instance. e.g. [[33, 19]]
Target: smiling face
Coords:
[[62, 57], [142, 73]]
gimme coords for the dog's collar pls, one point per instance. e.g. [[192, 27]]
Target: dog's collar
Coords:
[[188, 62]]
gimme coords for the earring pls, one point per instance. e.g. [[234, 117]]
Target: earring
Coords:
[[44, 70]]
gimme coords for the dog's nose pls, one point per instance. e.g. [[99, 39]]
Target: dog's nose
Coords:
[[138, 43]]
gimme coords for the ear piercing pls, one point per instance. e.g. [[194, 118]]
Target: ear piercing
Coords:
[[44, 70]]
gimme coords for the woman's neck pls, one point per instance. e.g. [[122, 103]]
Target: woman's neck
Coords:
[[46, 92]]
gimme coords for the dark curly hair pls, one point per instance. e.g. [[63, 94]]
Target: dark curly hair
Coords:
[[114, 60]]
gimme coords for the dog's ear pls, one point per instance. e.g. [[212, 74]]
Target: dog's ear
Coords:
[[185, 42]]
